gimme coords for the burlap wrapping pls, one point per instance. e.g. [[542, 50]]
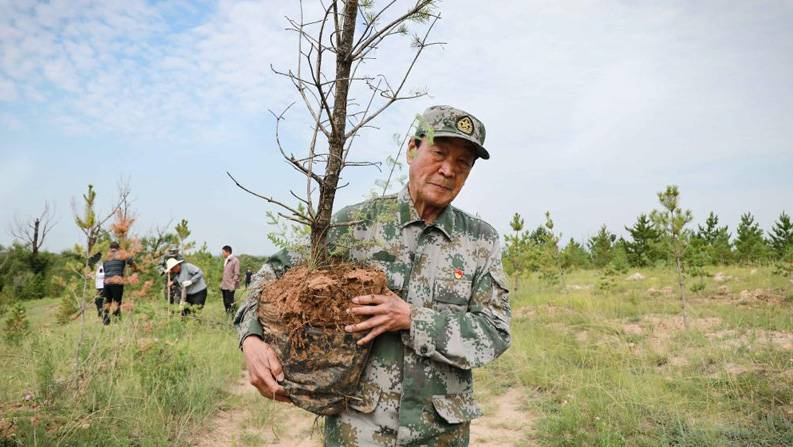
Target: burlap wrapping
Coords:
[[322, 373]]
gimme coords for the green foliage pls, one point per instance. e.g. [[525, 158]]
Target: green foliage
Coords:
[[575, 256], [600, 247], [182, 233], [714, 241], [551, 267], [750, 246], [69, 304], [607, 281], [164, 368], [88, 220], [17, 326], [24, 275], [643, 249], [784, 267], [671, 221], [781, 236], [517, 255]]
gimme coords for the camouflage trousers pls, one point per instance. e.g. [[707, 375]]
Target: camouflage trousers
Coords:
[[381, 428]]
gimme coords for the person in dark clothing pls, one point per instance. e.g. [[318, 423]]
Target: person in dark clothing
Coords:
[[191, 279], [114, 266], [248, 276]]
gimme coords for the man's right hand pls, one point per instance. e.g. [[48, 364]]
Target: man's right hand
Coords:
[[264, 368]]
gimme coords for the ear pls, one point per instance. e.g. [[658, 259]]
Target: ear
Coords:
[[412, 150]]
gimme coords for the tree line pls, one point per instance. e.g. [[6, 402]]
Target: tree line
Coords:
[[647, 245]]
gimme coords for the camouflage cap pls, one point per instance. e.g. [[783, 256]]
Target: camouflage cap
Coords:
[[447, 121]]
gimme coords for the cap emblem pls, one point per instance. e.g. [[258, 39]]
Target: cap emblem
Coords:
[[465, 125]]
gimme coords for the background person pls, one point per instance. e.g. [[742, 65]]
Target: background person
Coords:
[[231, 279], [114, 267], [191, 279], [99, 279], [248, 276]]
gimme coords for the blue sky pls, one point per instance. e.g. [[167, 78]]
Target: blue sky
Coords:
[[591, 108]]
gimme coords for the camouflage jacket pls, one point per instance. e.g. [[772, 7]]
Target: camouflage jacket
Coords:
[[417, 388]]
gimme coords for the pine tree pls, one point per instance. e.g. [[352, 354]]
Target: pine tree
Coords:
[[17, 325], [781, 236], [183, 232], [600, 247], [714, 240], [643, 249], [516, 255], [574, 255], [671, 222], [750, 246], [551, 267]]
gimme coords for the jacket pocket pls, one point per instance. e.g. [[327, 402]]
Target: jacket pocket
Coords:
[[452, 291], [456, 408], [366, 400]]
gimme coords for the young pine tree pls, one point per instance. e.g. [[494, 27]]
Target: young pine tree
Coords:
[[750, 246], [715, 240], [601, 247], [552, 269], [643, 250], [671, 221], [575, 256], [516, 255], [781, 237]]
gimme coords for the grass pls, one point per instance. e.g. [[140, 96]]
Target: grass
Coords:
[[620, 369], [150, 379], [600, 369]]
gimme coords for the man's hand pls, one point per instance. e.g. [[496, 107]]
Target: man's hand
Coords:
[[387, 313], [264, 368]]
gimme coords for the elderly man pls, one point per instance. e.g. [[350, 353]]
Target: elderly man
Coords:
[[191, 280], [448, 310]]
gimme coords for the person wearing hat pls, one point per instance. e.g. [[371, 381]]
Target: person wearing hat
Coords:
[[191, 279], [447, 310]]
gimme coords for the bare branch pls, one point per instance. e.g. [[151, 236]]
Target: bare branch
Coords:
[[376, 164], [354, 134], [297, 214], [295, 219], [395, 97], [291, 158]]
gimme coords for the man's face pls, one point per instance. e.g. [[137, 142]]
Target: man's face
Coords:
[[225, 254], [177, 268], [438, 172]]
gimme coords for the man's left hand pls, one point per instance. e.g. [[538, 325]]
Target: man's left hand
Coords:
[[387, 313]]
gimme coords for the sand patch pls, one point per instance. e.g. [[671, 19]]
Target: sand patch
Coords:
[[509, 424]]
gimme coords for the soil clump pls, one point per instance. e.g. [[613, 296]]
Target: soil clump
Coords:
[[303, 315]]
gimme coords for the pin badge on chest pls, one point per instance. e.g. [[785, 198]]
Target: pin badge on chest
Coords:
[[458, 274]]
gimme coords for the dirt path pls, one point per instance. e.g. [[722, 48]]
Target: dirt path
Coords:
[[258, 422]]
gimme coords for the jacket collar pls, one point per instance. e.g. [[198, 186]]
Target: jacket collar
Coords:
[[408, 214]]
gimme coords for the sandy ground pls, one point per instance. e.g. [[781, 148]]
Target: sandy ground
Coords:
[[506, 423]]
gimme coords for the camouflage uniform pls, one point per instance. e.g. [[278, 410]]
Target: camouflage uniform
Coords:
[[417, 388]]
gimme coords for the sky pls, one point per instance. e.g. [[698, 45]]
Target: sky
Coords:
[[591, 108]]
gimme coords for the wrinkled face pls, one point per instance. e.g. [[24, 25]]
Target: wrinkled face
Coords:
[[438, 172]]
